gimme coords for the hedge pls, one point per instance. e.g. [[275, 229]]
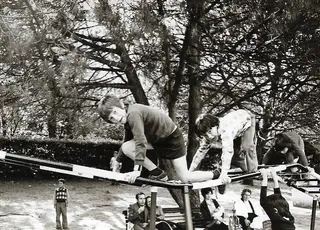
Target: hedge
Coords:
[[92, 154]]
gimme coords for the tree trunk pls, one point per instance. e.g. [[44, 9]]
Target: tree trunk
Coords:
[[193, 112], [179, 74], [193, 63], [3, 120], [132, 76], [47, 71], [52, 123], [195, 9], [263, 133]]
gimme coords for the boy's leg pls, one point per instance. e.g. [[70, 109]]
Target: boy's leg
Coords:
[[58, 213], [129, 149], [64, 216], [137, 227], [269, 158], [180, 166], [248, 144]]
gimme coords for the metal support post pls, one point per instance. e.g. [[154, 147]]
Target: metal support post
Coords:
[[187, 208]]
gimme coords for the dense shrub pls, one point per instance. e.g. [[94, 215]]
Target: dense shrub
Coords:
[[92, 154]]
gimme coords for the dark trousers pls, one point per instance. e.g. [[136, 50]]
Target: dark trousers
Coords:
[[251, 216], [220, 226], [61, 210]]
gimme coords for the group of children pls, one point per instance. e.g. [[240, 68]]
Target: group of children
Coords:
[[245, 214], [149, 128]]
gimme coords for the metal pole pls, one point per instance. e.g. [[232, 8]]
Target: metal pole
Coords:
[[187, 208], [216, 182], [33, 160], [313, 214], [152, 223], [78, 170]]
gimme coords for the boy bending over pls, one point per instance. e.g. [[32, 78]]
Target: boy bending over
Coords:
[[149, 128], [220, 133]]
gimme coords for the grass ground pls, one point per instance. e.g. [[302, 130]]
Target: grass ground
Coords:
[[96, 205]]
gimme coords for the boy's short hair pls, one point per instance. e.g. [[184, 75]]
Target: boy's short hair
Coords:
[[279, 202], [62, 180], [205, 191], [245, 190], [204, 123], [106, 105], [281, 141], [139, 194]]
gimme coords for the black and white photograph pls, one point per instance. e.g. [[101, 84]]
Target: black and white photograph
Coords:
[[159, 114]]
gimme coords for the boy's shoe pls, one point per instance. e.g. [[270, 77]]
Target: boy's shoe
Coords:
[[161, 177], [222, 189], [216, 173]]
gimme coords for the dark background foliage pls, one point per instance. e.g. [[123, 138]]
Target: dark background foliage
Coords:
[[90, 154]]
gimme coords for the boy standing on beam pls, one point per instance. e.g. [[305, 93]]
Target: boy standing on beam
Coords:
[[150, 128], [221, 132]]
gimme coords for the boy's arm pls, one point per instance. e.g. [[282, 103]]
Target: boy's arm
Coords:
[[268, 208], [54, 199], [128, 135], [111, 161], [161, 213], [133, 213], [201, 152], [276, 187], [120, 157], [137, 127], [263, 191], [302, 156], [68, 197]]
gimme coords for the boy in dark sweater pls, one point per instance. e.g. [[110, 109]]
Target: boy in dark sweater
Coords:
[[150, 128], [275, 205], [286, 147]]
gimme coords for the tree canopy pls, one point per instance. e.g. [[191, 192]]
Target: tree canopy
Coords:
[[58, 58]]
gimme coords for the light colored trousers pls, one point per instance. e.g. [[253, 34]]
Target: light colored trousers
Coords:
[[61, 210]]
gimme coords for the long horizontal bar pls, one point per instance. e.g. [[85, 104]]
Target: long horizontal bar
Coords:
[[79, 170], [50, 169], [217, 182], [310, 186], [45, 168], [26, 159], [315, 175], [89, 172], [290, 184], [21, 163], [314, 192]]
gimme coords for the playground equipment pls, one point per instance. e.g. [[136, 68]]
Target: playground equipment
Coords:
[[89, 172]]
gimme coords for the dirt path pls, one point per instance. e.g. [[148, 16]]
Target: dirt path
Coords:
[[94, 205]]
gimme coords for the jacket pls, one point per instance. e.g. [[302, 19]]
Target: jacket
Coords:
[[135, 217], [278, 222]]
